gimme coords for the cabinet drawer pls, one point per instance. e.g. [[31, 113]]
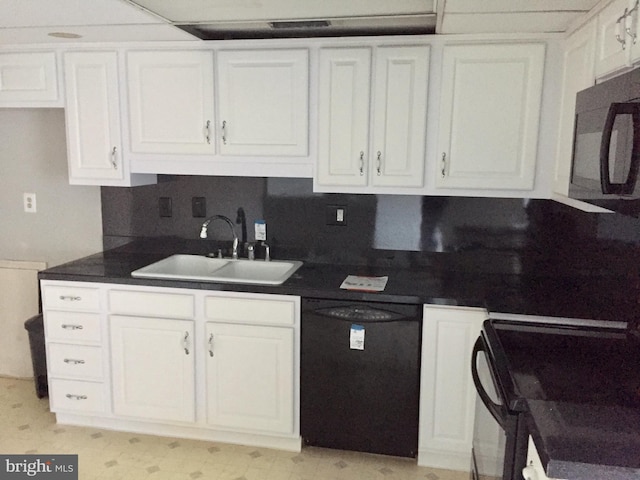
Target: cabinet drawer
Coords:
[[72, 326], [166, 305], [71, 298], [75, 396], [256, 311], [75, 361]]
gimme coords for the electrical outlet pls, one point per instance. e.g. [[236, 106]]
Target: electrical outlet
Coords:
[[336, 215], [198, 207], [164, 206], [29, 200]]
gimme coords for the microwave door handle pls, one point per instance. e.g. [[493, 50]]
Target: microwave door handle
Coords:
[[497, 411], [605, 145], [628, 186]]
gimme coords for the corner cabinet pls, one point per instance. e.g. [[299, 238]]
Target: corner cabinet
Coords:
[[489, 115], [209, 365], [372, 117], [171, 102], [447, 392], [263, 102], [93, 121]]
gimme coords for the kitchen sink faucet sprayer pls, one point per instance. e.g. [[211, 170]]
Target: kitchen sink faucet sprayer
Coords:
[[204, 232]]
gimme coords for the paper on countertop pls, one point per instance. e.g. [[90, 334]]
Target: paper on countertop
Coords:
[[368, 284]]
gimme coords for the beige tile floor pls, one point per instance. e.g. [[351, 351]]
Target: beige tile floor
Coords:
[[27, 426]]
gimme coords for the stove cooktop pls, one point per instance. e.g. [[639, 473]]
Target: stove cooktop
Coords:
[[577, 364]]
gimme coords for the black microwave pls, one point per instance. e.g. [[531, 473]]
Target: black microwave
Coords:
[[606, 145]]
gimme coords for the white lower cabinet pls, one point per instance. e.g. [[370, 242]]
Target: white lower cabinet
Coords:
[[447, 392], [218, 366], [250, 383], [153, 368]]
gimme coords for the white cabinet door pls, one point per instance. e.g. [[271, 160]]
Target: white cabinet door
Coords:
[[396, 88], [92, 112], [263, 102], [28, 79], [490, 111], [578, 74], [153, 368], [171, 102], [250, 377], [447, 392], [613, 43], [343, 143], [400, 116]]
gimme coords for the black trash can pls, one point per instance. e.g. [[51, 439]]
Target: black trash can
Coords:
[[35, 327]]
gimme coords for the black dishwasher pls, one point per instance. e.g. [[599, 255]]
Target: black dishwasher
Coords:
[[360, 376]]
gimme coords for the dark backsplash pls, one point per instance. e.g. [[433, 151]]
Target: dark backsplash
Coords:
[[553, 236]]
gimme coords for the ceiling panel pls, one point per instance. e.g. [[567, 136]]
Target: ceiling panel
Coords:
[[507, 22], [192, 11], [494, 6]]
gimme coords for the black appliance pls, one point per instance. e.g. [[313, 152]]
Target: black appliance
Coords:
[[559, 360], [606, 147], [360, 376]]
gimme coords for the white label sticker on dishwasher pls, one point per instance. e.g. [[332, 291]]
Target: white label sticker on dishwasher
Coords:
[[356, 337]]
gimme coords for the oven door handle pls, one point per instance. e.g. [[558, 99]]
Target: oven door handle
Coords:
[[499, 412]]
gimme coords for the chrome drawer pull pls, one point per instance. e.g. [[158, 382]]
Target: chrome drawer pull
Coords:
[[68, 326], [71, 396], [70, 298], [211, 345], [185, 343], [74, 361]]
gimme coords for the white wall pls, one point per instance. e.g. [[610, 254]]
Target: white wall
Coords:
[[68, 221]]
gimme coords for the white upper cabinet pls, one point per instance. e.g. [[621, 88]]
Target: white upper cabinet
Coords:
[[92, 112], [28, 80], [372, 117], [578, 74], [616, 45], [489, 116], [263, 102], [171, 102]]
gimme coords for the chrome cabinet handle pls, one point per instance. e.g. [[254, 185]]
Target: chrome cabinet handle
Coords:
[[444, 165], [224, 132], [379, 162], [211, 345], [620, 36], [72, 396], [361, 163], [74, 361], [185, 343], [113, 159], [70, 298], [207, 129], [68, 326]]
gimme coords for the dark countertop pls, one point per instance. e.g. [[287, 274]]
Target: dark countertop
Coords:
[[586, 442], [488, 279], [575, 440]]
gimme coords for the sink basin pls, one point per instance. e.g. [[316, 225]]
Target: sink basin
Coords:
[[200, 268]]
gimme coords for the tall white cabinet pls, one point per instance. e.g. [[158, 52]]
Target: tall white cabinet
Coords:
[[489, 116], [372, 116], [447, 392]]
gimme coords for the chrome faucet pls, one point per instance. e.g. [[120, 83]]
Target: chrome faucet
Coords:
[[204, 232]]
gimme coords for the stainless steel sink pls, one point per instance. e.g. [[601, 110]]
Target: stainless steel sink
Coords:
[[200, 268]]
